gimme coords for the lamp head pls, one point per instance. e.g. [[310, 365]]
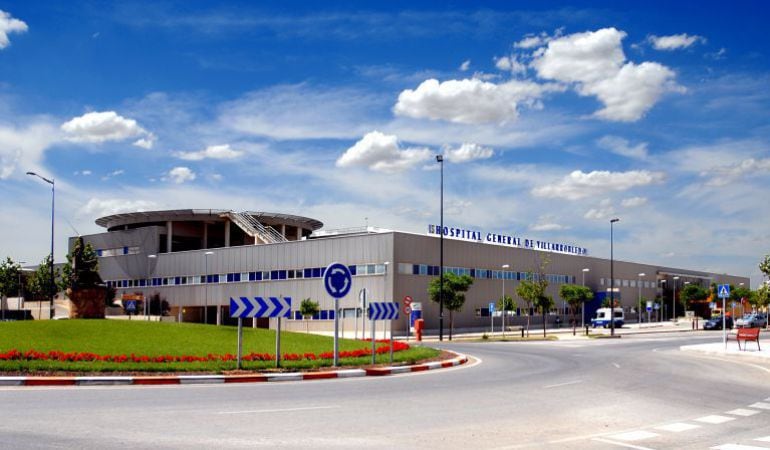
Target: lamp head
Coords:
[[642, 274], [440, 158], [586, 269], [614, 220]]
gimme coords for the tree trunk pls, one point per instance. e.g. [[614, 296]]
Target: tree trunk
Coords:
[[451, 324], [574, 319], [542, 310]]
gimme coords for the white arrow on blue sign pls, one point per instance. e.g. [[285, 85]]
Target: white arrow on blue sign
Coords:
[[383, 311], [724, 291], [337, 280], [245, 307]]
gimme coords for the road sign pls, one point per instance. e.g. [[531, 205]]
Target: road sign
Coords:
[[337, 280], [724, 291], [131, 305], [491, 307], [245, 307], [383, 311], [656, 306], [407, 310], [416, 306], [408, 300]]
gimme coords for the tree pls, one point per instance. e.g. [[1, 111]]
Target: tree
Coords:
[[308, 308], [506, 303], [9, 281], [81, 270], [532, 291], [764, 266], [692, 293], [455, 287], [576, 296], [39, 283]]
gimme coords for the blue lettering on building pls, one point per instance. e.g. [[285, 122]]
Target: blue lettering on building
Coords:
[[504, 239]]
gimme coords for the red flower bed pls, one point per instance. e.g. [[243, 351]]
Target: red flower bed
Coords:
[[55, 355]]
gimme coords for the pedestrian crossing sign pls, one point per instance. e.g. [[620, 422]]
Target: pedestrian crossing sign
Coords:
[[724, 291]]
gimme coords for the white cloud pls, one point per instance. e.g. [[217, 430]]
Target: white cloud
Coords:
[[302, 112], [112, 174], [98, 127], [382, 153], [547, 223], [212, 152], [724, 175], [22, 148], [180, 175], [601, 212], [622, 147], [97, 207], [594, 61], [633, 202], [470, 101], [9, 25], [510, 63], [468, 152], [579, 185], [530, 42], [146, 142], [465, 65], [674, 42]]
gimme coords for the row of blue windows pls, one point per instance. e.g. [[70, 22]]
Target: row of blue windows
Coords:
[[239, 277], [325, 314], [424, 269]]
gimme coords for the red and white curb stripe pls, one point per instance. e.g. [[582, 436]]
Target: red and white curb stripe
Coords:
[[218, 379]]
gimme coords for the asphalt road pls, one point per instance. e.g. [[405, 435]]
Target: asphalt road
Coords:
[[635, 392]]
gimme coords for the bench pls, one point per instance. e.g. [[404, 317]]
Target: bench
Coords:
[[746, 335]]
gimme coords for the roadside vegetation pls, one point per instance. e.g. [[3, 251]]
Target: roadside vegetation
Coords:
[[136, 346]]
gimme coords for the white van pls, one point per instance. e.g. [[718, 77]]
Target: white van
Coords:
[[602, 318]]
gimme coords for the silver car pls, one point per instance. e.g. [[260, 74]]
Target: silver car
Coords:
[[752, 321]]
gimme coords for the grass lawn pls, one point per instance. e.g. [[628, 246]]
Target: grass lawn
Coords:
[[119, 337]]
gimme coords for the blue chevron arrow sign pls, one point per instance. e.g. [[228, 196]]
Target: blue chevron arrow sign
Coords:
[[383, 311], [245, 307]]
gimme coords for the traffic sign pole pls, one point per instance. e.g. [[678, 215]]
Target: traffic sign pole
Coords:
[[278, 344], [391, 342], [373, 352], [240, 342], [336, 335]]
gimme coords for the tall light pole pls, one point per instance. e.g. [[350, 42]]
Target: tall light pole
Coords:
[[612, 277], [206, 301], [505, 266], [583, 306], [639, 306], [53, 196], [663, 288], [149, 273], [673, 301], [440, 160]]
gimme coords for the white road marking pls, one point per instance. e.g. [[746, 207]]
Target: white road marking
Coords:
[[743, 412], [562, 384], [621, 444], [714, 419], [617, 366], [760, 405], [678, 427], [763, 439], [634, 435], [262, 411], [737, 447]]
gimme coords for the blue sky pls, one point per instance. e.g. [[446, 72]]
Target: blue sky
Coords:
[[554, 118]]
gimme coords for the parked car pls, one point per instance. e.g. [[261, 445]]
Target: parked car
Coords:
[[715, 323], [751, 321]]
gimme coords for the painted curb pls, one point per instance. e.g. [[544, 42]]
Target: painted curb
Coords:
[[218, 379]]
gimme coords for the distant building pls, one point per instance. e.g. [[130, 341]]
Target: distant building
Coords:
[[193, 258]]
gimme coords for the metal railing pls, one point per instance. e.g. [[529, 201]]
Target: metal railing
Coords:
[[255, 228]]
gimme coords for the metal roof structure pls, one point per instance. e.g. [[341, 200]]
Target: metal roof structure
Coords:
[[131, 218]]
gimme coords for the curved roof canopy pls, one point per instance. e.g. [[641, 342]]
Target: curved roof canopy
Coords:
[[132, 218]]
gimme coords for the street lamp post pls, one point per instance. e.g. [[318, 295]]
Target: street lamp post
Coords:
[[440, 160], [612, 277], [663, 288], [505, 266], [673, 301], [206, 301], [53, 196], [583, 306], [639, 306]]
